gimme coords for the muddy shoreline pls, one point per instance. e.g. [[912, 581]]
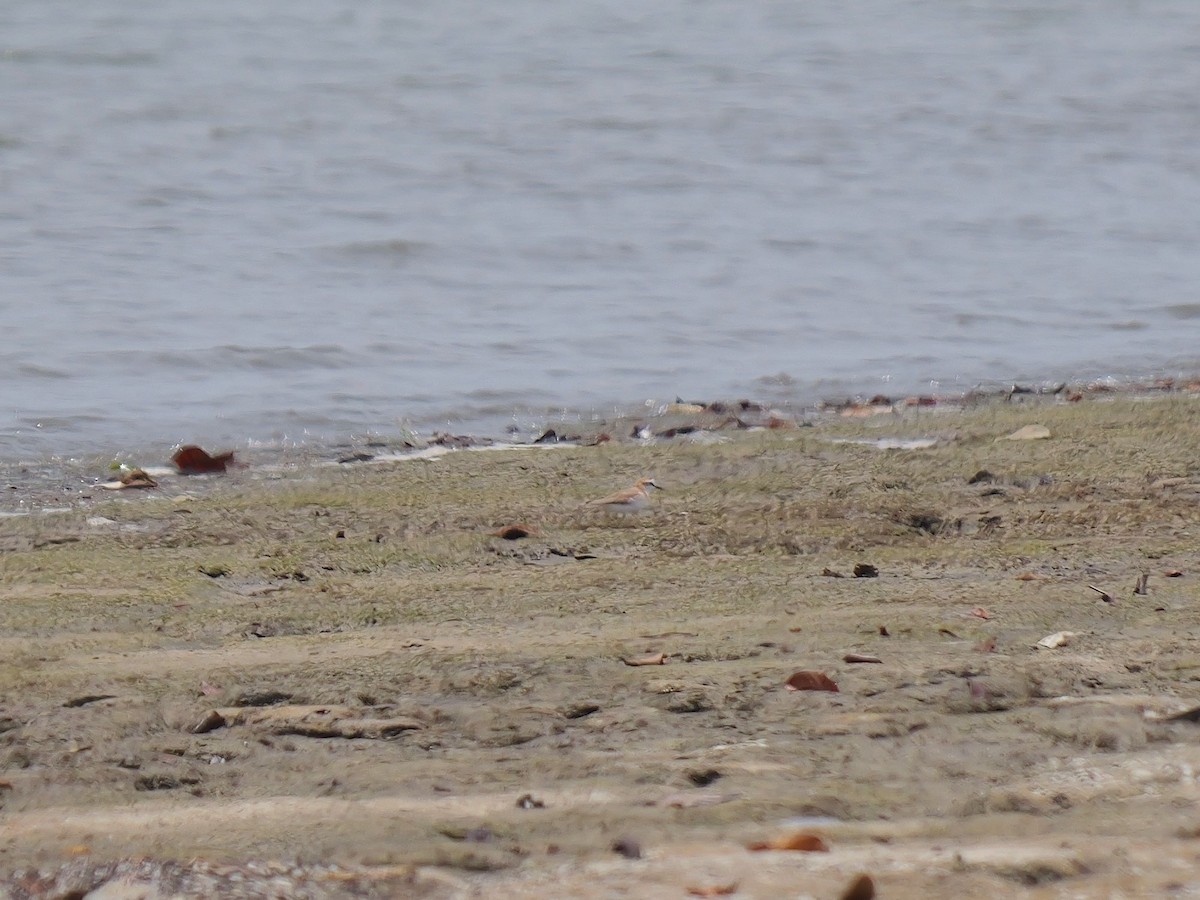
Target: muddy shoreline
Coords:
[[340, 664], [57, 483]]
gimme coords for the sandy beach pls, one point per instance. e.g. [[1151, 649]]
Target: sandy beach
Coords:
[[343, 670]]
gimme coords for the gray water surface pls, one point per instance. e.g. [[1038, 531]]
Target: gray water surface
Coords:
[[231, 222]]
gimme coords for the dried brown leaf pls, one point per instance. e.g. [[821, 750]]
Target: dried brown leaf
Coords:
[[627, 847], [797, 840], [713, 890], [861, 888], [528, 801], [691, 800], [811, 681], [654, 659], [211, 722], [863, 411], [137, 478], [192, 460], [516, 531]]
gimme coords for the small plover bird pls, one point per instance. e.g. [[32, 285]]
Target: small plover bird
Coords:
[[631, 500]]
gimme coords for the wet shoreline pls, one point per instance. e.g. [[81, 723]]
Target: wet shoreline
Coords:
[[365, 660], [59, 484]]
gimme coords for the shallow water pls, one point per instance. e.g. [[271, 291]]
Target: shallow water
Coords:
[[292, 222]]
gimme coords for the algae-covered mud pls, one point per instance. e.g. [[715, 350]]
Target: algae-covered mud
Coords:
[[339, 676]]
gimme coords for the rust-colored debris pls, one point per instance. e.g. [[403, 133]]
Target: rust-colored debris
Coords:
[[312, 721], [797, 840], [811, 681], [137, 478], [653, 659], [627, 847], [131, 478], [192, 460], [861, 888], [713, 890], [516, 531]]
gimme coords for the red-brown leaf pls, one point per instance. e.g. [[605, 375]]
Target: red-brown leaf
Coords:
[[861, 888], [193, 460], [516, 531], [797, 840], [811, 681], [713, 890]]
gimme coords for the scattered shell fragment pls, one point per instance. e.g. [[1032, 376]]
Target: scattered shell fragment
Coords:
[[1028, 433], [654, 659], [1056, 640], [311, 721], [692, 799]]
